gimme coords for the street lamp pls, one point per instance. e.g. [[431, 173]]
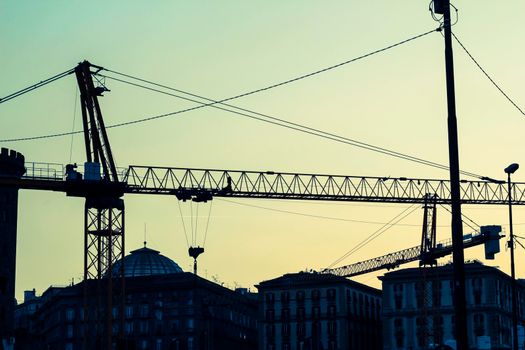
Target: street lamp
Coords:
[[510, 170]]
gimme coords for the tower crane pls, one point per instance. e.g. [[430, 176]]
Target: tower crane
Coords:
[[103, 186]]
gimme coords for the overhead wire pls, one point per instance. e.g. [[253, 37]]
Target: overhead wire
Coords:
[[304, 76], [396, 219], [29, 138], [488, 76]]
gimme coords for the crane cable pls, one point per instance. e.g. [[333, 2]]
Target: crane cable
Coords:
[[36, 86], [290, 125], [207, 225], [399, 217], [183, 224]]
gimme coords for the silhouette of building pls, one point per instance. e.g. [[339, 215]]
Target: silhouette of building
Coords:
[[11, 166], [164, 308], [318, 311], [418, 308]]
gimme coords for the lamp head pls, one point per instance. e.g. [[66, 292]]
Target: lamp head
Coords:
[[512, 168]]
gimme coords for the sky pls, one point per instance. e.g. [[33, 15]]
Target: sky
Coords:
[[395, 99]]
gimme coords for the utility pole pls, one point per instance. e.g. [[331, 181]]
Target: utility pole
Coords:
[[443, 7], [510, 170]]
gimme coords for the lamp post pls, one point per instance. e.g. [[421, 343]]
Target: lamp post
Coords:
[[510, 170]]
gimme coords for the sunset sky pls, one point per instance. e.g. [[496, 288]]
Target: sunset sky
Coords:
[[395, 99]]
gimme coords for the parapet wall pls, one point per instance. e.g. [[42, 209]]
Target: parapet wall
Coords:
[[11, 163]]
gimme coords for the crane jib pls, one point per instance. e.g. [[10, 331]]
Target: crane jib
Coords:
[[202, 185]]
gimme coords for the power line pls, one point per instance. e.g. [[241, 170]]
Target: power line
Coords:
[[226, 99], [320, 70], [36, 86], [488, 76]]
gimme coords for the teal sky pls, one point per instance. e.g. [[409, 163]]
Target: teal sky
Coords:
[[222, 48]]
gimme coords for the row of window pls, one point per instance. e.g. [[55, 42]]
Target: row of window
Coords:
[[300, 329], [315, 295], [430, 293], [331, 312]]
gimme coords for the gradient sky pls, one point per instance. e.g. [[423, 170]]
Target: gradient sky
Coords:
[[219, 49]]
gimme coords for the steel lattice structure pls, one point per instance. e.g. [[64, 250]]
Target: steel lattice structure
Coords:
[[188, 183], [393, 260]]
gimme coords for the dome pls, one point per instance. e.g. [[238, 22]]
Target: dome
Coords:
[[145, 262]]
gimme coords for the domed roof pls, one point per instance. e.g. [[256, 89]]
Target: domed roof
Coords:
[[145, 262]]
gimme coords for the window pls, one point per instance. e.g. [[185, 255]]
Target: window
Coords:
[[332, 328], [477, 289], [129, 328], [129, 311], [399, 332], [330, 294], [144, 310], [269, 298], [143, 327], [437, 324], [158, 315], [316, 295], [300, 296], [421, 331], [190, 343], [285, 315], [436, 293], [144, 344], [69, 346], [70, 314], [398, 296], [285, 329], [285, 297], [70, 331], [479, 324], [301, 330], [300, 313], [316, 312], [270, 330], [158, 344], [419, 288], [270, 315], [331, 311]]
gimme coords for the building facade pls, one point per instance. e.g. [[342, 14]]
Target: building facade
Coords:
[[418, 307], [318, 311], [163, 308]]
